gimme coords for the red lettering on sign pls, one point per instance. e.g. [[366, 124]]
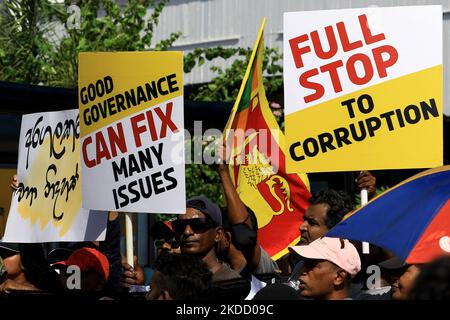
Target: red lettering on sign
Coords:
[[88, 162], [336, 36]]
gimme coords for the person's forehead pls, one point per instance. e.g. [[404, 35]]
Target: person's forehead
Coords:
[[322, 263], [192, 213], [317, 211]]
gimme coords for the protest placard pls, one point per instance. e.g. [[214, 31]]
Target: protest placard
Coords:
[[47, 205], [363, 89], [132, 138]]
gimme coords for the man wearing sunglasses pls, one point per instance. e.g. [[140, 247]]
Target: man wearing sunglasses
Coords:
[[199, 230]]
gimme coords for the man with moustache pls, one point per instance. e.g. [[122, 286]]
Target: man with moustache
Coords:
[[200, 229]]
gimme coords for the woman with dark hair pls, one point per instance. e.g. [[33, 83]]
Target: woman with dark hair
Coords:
[[180, 277], [433, 283]]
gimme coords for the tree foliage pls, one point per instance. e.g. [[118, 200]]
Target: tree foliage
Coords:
[[225, 85], [26, 55], [47, 50], [118, 29], [203, 179]]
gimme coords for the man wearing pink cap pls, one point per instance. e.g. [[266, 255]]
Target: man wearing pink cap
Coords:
[[329, 265]]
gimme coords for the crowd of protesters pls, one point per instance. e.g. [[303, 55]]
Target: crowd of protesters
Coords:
[[212, 253]]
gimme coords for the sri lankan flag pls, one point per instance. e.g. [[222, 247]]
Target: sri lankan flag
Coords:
[[257, 165]]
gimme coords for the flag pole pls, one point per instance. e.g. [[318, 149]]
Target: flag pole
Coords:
[[364, 200], [129, 238]]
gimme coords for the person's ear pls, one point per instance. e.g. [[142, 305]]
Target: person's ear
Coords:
[[341, 276], [220, 233]]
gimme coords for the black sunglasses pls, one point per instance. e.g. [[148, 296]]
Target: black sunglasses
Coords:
[[196, 224]]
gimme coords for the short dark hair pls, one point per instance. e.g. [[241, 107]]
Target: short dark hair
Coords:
[[184, 276], [433, 282], [207, 207], [339, 203]]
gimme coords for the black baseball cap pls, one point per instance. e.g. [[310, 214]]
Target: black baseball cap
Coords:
[[64, 250], [59, 254], [393, 263], [207, 207], [8, 249]]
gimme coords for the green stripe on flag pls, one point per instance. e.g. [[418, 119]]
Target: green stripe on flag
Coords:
[[246, 95]]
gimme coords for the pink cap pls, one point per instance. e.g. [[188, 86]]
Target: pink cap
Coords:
[[339, 251]]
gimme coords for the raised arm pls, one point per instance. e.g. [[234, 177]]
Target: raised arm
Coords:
[[238, 213]]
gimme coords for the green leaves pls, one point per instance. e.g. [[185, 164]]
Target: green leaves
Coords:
[[200, 55], [203, 179], [32, 52], [225, 85], [25, 49], [167, 43]]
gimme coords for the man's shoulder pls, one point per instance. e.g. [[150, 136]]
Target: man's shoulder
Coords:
[[225, 273], [266, 264]]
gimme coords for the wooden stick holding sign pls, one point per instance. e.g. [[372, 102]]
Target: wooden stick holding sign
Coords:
[[129, 238], [364, 200]]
